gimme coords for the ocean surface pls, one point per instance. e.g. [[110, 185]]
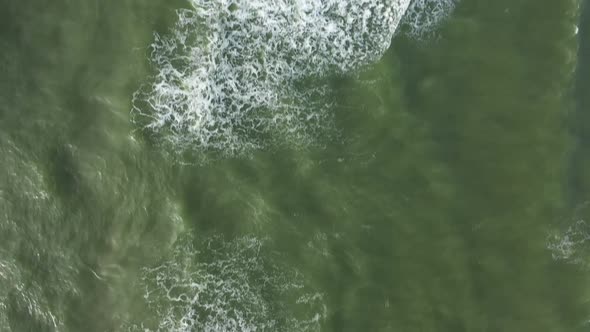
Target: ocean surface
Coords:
[[295, 165]]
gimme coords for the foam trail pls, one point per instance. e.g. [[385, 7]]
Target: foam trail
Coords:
[[231, 286]]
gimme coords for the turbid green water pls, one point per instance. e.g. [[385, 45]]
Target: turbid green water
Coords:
[[439, 186]]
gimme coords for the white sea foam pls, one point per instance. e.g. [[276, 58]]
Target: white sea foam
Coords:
[[229, 74], [218, 285], [234, 76]]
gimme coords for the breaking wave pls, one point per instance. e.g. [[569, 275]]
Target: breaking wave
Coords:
[[235, 76]]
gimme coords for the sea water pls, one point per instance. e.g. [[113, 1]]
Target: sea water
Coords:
[[293, 165]]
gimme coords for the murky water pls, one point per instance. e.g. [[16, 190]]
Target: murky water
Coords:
[[301, 165]]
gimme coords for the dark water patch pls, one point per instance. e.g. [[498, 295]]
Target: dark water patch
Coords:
[[64, 173]]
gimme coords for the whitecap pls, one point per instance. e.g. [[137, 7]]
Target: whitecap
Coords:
[[423, 16]]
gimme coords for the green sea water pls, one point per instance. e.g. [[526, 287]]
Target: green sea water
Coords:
[[442, 187]]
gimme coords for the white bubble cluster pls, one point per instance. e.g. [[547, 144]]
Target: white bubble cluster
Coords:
[[229, 286], [234, 72]]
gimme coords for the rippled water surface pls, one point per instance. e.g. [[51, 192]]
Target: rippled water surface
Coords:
[[294, 165]]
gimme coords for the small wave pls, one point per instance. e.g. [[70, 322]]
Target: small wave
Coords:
[[38, 274]]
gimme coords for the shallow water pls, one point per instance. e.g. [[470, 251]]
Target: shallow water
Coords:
[[427, 174]]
